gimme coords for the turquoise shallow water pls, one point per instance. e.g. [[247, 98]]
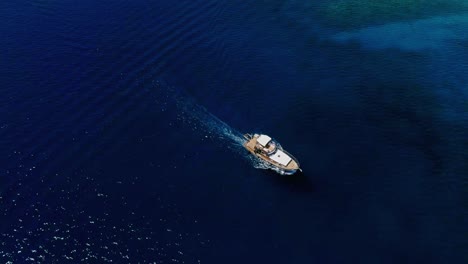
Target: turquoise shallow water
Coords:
[[121, 124]]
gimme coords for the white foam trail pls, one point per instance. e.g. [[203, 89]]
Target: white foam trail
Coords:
[[200, 120], [207, 124]]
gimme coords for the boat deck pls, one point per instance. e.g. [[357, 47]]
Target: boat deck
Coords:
[[292, 165]]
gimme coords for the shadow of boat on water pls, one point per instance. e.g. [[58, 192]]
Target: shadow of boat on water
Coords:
[[298, 182]]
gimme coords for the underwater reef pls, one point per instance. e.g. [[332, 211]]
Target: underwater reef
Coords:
[[358, 13], [435, 33]]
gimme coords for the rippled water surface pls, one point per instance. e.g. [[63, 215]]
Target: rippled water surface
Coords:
[[121, 129]]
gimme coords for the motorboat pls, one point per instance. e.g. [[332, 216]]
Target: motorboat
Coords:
[[271, 152]]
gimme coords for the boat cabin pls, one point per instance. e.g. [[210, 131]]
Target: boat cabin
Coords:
[[265, 148], [266, 145]]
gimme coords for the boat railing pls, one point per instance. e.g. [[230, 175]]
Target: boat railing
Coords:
[[292, 157], [248, 136]]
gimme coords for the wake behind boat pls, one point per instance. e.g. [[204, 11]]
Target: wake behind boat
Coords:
[[265, 148]]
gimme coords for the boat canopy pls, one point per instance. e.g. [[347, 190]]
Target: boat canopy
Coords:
[[263, 140], [281, 157]]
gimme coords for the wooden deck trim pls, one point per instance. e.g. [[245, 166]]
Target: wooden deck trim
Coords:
[[292, 165]]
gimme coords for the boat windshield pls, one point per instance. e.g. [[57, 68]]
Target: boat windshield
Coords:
[[270, 147]]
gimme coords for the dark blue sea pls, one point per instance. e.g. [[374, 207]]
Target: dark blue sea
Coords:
[[121, 129]]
